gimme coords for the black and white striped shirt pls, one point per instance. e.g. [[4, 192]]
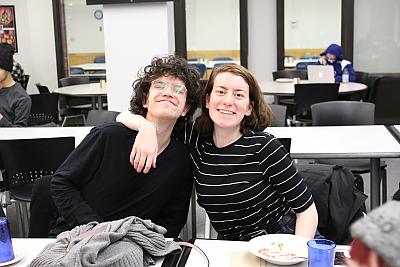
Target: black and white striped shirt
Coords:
[[246, 186]]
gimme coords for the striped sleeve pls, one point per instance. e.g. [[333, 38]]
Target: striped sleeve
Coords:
[[278, 168]]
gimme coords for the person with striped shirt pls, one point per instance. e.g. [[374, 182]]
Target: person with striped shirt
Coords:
[[244, 177]]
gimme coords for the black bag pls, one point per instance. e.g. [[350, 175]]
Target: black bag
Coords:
[[338, 201]]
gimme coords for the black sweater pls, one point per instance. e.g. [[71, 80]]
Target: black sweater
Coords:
[[97, 182]]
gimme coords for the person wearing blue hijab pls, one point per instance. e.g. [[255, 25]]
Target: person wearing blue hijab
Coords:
[[333, 55]]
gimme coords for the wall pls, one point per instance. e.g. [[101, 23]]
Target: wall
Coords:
[[262, 38], [212, 25], [84, 32], [377, 39], [36, 45], [312, 23], [126, 53]]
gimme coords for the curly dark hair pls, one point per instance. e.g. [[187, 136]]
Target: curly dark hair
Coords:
[[261, 114], [166, 66]]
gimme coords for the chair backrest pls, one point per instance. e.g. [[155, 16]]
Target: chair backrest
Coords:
[[25, 160], [42, 88], [303, 65], [76, 70], [24, 82], [73, 81], [44, 109], [201, 68], [286, 142], [308, 94], [386, 96], [343, 113], [101, 59], [279, 115], [222, 59], [290, 74], [99, 117], [43, 211]]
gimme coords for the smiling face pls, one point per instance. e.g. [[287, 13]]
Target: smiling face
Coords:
[[165, 104], [229, 102]]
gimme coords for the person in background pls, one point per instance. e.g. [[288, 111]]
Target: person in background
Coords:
[[245, 179], [333, 55], [18, 73], [97, 183], [376, 238], [15, 103]]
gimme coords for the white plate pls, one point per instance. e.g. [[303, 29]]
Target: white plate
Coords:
[[17, 258], [284, 80], [280, 249]]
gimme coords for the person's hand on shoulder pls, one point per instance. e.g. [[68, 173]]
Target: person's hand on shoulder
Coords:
[[145, 148], [323, 60]]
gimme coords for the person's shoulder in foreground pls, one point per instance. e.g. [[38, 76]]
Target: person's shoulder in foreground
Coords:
[[377, 238]]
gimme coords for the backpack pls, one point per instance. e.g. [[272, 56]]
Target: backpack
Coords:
[[338, 200]]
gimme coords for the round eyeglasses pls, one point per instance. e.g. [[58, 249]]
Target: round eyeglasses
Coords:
[[178, 89]]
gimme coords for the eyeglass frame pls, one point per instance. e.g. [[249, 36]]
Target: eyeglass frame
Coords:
[[173, 87]]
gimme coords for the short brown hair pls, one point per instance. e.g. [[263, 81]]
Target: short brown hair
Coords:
[[261, 114], [166, 66]]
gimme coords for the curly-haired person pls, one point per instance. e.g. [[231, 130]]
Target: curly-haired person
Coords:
[[97, 182]]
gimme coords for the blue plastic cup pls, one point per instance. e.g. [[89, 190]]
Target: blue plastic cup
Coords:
[[321, 253], [6, 248]]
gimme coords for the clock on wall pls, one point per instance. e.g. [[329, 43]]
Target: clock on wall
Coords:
[[98, 14]]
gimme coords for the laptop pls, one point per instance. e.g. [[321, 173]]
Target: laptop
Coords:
[[320, 74]]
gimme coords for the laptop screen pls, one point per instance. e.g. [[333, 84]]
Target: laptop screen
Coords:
[[320, 73]]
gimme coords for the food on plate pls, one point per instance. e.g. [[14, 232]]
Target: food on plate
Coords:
[[277, 250]]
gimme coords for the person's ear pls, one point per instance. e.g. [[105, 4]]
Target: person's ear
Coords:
[[185, 110], [207, 101], [250, 109]]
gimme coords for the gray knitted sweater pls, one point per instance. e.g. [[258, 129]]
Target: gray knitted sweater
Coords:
[[127, 242], [15, 106]]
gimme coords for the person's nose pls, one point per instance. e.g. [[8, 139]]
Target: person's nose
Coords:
[[228, 99], [168, 90]]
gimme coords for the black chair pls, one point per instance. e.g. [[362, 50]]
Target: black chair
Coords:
[[386, 97], [42, 88], [74, 107], [308, 94], [43, 211], [348, 113], [25, 80], [25, 160], [279, 115], [99, 117], [44, 110], [290, 74]]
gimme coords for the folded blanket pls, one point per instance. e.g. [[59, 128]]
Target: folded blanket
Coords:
[[126, 242]]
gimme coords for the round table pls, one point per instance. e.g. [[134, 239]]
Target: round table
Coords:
[[92, 90], [287, 88]]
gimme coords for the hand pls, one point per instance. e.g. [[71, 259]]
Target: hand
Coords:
[[145, 149], [323, 60]]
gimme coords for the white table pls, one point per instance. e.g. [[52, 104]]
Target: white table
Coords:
[[225, 253], [91, 66], [287, 88], [44, 132], [331, 142], [92, 90], [31, 247]]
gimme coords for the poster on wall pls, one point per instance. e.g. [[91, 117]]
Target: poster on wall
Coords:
[[8, 28]]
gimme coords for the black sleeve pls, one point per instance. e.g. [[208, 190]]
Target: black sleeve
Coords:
[[175, 213], [78, 169]]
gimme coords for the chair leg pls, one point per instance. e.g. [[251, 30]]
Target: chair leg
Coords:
[[384, 185], [25, 217]]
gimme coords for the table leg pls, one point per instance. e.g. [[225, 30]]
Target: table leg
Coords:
[[93, 102], [100, 102], [375, 183]]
